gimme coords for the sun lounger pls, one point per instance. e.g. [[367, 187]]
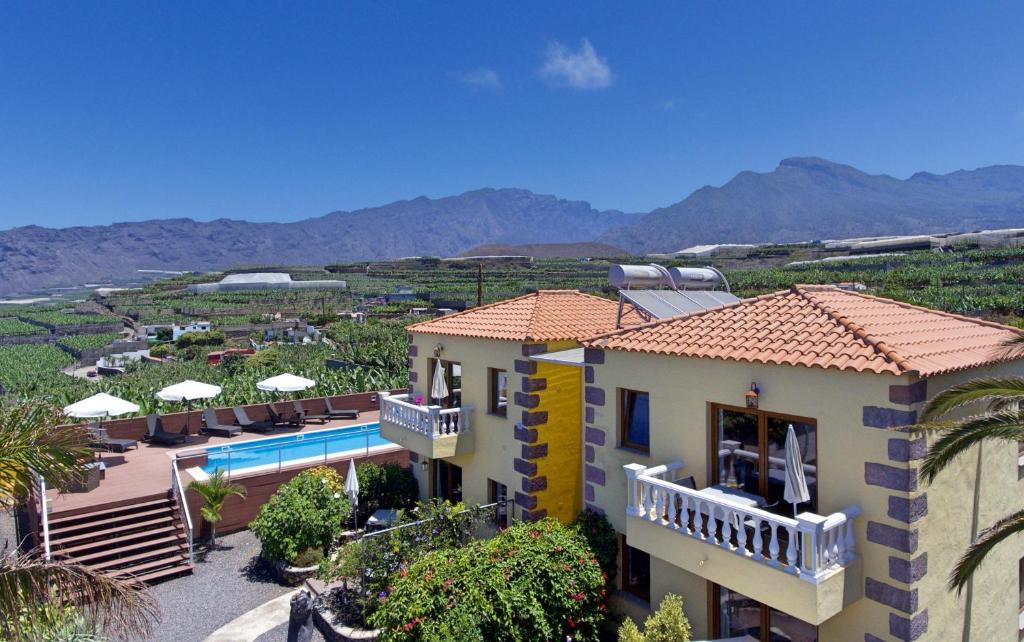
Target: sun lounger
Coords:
[[214, 427], [301, 410], [340, 414], [100, 439], [278, 420], [155, 432], [243, 420]]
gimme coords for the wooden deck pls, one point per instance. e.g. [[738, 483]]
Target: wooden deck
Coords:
[[146, 471]]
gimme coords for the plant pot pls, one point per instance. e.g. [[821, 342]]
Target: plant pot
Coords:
[[338, 632], [293, 575]]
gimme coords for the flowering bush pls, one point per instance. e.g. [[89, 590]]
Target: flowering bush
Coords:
[[533, 581], [306, 512]]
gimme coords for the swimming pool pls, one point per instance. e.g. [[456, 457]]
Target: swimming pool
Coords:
[[291, 449]]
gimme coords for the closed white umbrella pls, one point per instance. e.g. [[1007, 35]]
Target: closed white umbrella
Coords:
[[188, 391], [99, 406], [352, 489], [438, 387], [796, 491]]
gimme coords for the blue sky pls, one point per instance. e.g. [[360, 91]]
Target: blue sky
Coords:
[[117, 111]]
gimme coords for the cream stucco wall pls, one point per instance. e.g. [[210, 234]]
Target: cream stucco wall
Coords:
[[988, 609], [495, 446], [680, 390]]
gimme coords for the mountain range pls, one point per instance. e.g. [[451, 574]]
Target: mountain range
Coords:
[[801, 199]]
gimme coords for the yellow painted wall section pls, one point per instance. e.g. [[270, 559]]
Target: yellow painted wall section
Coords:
[[561, 399]]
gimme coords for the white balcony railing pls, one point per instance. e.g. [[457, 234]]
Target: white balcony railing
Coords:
[[809, 545], [433, 421]]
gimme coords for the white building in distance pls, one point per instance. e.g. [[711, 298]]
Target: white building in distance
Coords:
[[263, 281]]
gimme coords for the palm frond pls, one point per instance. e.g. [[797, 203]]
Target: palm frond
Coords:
[[1006, 425], [121, 609], [30, 443], [1014, 346], [982, 546], [988, 390]]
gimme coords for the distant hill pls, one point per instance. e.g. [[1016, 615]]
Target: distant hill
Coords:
[[812, 198], [33, 258], [547, 250], [802, 199]]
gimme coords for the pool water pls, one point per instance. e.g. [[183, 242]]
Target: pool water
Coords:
[[289, 448]]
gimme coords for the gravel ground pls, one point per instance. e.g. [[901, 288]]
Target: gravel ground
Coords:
[[280, 634], [227, 582]]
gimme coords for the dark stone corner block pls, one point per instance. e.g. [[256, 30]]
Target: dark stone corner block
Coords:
[[876, 417], [534, 418], [526, 367], [593, 355]]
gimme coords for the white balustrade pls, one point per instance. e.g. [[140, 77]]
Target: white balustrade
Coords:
[[809, 545], [433, 421]]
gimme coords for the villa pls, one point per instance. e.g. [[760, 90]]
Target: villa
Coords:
[[675, 429]]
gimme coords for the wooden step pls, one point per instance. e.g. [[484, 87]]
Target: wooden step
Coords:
[[166, 573], [100, 537], [175, 549], [128, 508], [60, 532], [109, 544], [141, 569], [110, 552]]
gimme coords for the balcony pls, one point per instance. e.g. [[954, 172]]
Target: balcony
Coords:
[[805, 566], [431, 431]]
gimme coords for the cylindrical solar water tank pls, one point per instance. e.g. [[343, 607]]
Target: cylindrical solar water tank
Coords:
[[636, 276], [696, 278]]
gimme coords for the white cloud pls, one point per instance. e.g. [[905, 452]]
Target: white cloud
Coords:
[[483, 78], [667, 105], [579, 69]]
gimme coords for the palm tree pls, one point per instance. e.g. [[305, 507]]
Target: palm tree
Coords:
[[31, 588], [215, 491], [1002, 420]]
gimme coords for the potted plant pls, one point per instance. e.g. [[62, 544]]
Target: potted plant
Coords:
[[301, 521]]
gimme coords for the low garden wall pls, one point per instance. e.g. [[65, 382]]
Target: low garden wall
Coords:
[[135, 428], [259, 487], [22, 339]]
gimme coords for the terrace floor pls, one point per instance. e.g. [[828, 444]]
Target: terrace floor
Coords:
[[147, 470]]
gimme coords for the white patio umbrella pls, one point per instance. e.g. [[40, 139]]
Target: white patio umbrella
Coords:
[[796, 491], [352, 489], [188, 391], [286, 382], [99, 406], [438, 387]]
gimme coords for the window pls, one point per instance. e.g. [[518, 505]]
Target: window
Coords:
[[634, 420], [1020, 590], [497, 403], [497, 493], [636, 571]]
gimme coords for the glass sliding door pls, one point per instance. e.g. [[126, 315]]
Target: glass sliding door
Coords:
[[750, 448], [737, 615]]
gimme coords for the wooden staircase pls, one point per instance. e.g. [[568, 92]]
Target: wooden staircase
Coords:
[[143, 538]]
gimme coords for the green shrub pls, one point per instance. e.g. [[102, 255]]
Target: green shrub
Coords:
[[164, 334], [603, 540], [667, 624], [268, 358], [161, 350], [532, 581], [385, 486], [306, 512], [211, 338]]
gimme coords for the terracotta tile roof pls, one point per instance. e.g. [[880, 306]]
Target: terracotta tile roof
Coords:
[[826, 327], [546, 315]]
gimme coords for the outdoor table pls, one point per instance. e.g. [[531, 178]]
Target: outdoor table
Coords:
[[734, 495]]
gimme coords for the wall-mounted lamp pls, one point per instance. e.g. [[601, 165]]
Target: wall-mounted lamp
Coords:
[[438, 349], [423, 465], [752, 395]]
